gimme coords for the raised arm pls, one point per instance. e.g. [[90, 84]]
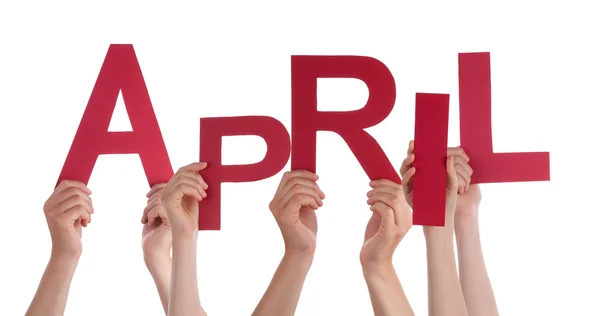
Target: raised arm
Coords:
[[156, 243], [293, 207], [389, 223], [474, 279], [445, 294], [67, 210], [180, 199]]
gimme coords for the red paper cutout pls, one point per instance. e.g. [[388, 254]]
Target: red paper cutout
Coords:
[[350, 125], [431, 142], [120, 72], [212, 131], [475, 97]]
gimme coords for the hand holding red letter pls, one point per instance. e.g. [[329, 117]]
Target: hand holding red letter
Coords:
[[294, 205], [391, 220], [156, 234], [67, 210], [181, 197]]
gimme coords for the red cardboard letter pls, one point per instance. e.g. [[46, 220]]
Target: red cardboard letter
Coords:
[[431, 141], [120, 72], [211, 132], [475, 95], [307, 120]]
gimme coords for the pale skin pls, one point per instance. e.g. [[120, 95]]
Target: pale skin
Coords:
[[68, 210], [156, 243], [389, 223], [445, 293], [180, 199], [293, 206], [474, 279]]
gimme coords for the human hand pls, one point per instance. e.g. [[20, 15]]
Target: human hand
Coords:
[[293, 206], [156, 234], [180, 198], [67, 210], [389, 223], [461, 169]]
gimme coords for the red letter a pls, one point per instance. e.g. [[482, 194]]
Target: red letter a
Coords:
[[120, 72]]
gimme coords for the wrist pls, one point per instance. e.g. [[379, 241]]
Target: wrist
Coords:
[[155, 261], [380, 270], [299, 256], [63, 262], [437, 232], [64, 256], [184, 243]]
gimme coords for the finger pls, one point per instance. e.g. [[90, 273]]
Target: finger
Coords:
[[151, 204], [407, 179], [460, 160], [407, 163], [76, 213], [60, 195], [300, 189], [65, 184], [386, 187], [451, 171], [194, 167], [197, 177], [153, 216], [387, 216], [155, 189], [411, 147], [186, 189], [391, 200], [300, 200], [193, 179], [298, 181], [382, 182], [457, 151], [162, 214], [289, 175], [463, 173], [77, 198]]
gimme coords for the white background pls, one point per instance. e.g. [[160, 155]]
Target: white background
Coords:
[[233, 58]]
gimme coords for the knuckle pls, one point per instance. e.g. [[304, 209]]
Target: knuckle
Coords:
[[79, 199], [298, 198]]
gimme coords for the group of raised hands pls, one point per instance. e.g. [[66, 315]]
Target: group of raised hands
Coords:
[[169, 241]]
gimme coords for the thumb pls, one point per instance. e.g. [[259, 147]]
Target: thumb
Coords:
[[387, 215]]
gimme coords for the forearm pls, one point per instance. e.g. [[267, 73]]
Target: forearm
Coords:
[[474, 279], [282, 295], [445, 294], [386, 292], [160, 269], [53, 291], [184, 299]]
